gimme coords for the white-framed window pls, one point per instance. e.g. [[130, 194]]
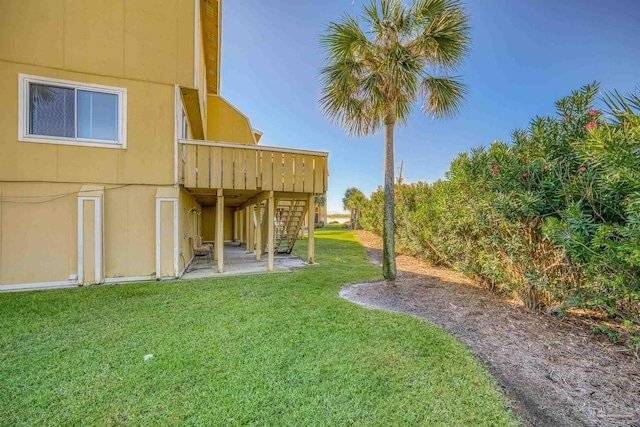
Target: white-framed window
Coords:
[[185, 126], [54, 111], [184, 133]]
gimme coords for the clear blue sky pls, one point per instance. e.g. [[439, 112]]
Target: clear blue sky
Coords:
[[525, 55]]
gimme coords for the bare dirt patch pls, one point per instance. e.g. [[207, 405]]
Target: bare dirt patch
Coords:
[[557, 373]]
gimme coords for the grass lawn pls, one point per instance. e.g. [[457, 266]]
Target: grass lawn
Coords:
[[271, 349]]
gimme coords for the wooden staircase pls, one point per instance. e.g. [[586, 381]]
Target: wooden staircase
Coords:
[[288, 221]]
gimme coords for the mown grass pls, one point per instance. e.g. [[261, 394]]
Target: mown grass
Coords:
[[272, 349]]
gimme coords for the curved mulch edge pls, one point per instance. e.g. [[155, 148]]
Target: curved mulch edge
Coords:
[[556, 373]]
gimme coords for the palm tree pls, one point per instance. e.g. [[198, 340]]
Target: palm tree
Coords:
[[372, 78], [353, 201]]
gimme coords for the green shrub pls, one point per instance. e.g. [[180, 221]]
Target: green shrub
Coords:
[[552, 218]]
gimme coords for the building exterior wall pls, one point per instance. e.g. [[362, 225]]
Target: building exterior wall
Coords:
[[209, 223], [225, 123], [146, 40], [148, 158], [39, 235], [145, 47], [39, 232], [129, 230]]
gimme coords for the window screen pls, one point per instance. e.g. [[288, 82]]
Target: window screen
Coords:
[[51, 111]]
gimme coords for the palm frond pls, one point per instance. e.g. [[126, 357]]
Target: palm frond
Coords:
[[620, 106], [444, 39], [344, 40], [350, 97], [443, 96], [373, 17], [402, 68], [425, 10]]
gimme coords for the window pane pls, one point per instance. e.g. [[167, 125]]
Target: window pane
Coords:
[[97, 115], [51, 111]]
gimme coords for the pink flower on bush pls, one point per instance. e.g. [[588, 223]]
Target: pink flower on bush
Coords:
[[566, 116], [591, 125], [546, 167], [524, 175], [495, 169], [582, 169], [593, 112]]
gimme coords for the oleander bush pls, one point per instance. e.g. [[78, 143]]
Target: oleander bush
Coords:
[[552, 218]]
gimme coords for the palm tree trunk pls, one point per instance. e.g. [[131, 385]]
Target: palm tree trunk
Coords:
[[388, 221]]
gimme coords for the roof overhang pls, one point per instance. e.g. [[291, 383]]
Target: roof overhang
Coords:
[[191, 103], [211, 14]]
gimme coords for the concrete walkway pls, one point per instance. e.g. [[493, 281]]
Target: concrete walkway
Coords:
[[237, 261]]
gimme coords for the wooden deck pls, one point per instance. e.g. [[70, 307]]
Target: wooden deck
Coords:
[[217, 165]]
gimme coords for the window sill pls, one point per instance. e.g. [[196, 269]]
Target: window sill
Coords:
[[74, 142]]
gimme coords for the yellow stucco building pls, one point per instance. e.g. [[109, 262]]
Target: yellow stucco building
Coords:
[[118, 154]]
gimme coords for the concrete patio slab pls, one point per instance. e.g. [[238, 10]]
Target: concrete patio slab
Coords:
[[237, 261]]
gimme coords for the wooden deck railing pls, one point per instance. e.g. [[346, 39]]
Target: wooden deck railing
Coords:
[[252, 167]]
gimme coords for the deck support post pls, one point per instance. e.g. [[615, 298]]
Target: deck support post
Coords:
[[234, 225], [247, 224], [271, 230], [311, 208], [219, 245], [259, 231]]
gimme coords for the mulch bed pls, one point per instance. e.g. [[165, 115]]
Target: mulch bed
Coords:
[[556, 372]]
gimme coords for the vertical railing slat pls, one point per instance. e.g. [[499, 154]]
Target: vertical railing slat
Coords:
[[308, 174], [227, 168], [318, 179], [267, 170], [239, 175], [203, 166], [325, 172], [298, 180], [215, 156], [252, 168], [190, 179], [288, 172]]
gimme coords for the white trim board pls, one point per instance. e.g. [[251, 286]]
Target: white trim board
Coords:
[[159, 200], [177, 130], [99, 252], [42, 285], [129, 279]]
